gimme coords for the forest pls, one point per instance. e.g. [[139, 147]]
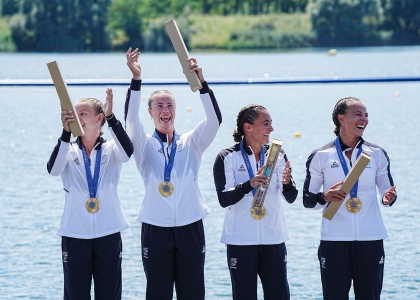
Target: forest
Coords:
[[220, 25]]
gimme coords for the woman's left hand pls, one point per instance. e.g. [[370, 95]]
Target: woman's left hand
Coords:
[[108, 102], [390, 195], [287, 173]]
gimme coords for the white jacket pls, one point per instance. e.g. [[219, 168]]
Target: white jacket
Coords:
[[185, 205], [67, 161], [235, 194], [323, 170]]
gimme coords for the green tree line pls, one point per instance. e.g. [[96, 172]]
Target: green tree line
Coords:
[[106, 25]]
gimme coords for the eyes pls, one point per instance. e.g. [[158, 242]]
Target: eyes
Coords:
[[161, 106], [359, 114]]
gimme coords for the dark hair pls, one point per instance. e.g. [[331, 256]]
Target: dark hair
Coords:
[[159, 93], [340, 108], [97, 106], [247, 114]]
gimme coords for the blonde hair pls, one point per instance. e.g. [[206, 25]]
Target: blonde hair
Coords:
[[97, 106]]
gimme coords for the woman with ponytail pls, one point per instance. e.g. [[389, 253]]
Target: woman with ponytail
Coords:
[[255, 247], [351, 247]]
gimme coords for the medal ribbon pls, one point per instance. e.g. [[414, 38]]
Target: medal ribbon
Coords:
[[248, 163], [353, 191], [92, 182], [168, 166]]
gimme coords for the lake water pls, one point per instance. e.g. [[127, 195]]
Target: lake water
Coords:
[[31, 201]]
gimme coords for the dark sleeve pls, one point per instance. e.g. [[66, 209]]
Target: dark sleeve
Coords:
[[65, 137], [290, 191], [231, 197], [134, 86], [311, 199], [206, 90], [121, 135]]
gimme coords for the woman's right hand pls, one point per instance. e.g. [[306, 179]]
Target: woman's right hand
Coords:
[[334, 193], [259, 179], [66, 118], [133, 62]]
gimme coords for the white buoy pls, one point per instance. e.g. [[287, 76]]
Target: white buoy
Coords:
[[332, 52], [189, 109], [396, 94]]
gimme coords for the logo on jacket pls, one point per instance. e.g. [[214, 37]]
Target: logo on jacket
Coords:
[[204, 249], [242, 169], [285, 258], [146, 252], [233, 262], [103, 160], [335, 165], [323, 261], [381, 261], [76, 161], [65, 256]]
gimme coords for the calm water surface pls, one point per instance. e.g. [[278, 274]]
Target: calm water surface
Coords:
[[32, 201]]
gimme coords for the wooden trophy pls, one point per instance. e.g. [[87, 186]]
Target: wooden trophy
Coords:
[[63, 94], [257, 209], [183, 55], [351, 178]]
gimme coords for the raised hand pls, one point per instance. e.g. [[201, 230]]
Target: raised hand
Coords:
[[133, 62], [66, 118], [194, 67], [287, 173], [108, 102]]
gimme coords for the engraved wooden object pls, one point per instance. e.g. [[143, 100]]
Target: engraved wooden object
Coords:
[[348, 183], [66, 104], [183, 55]]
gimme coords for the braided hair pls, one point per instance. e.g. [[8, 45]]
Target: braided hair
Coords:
[[97, 107], [247, 114], [340, 108]]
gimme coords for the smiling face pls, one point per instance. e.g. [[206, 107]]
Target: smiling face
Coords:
[[90, 119], [258, 133], [354, 122], [162, 109]]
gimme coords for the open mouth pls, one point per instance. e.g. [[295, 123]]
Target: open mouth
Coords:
[[166, 119]]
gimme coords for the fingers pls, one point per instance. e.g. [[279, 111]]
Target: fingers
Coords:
[[334, 194], [109, 93], [390, 195], [67, 117], [287, 173], [259, 180], [261, 170], [336, 185], [194, 67]]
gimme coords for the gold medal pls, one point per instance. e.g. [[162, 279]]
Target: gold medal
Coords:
[[354, 205], [92, 205], [166, 188], [258, 213]]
